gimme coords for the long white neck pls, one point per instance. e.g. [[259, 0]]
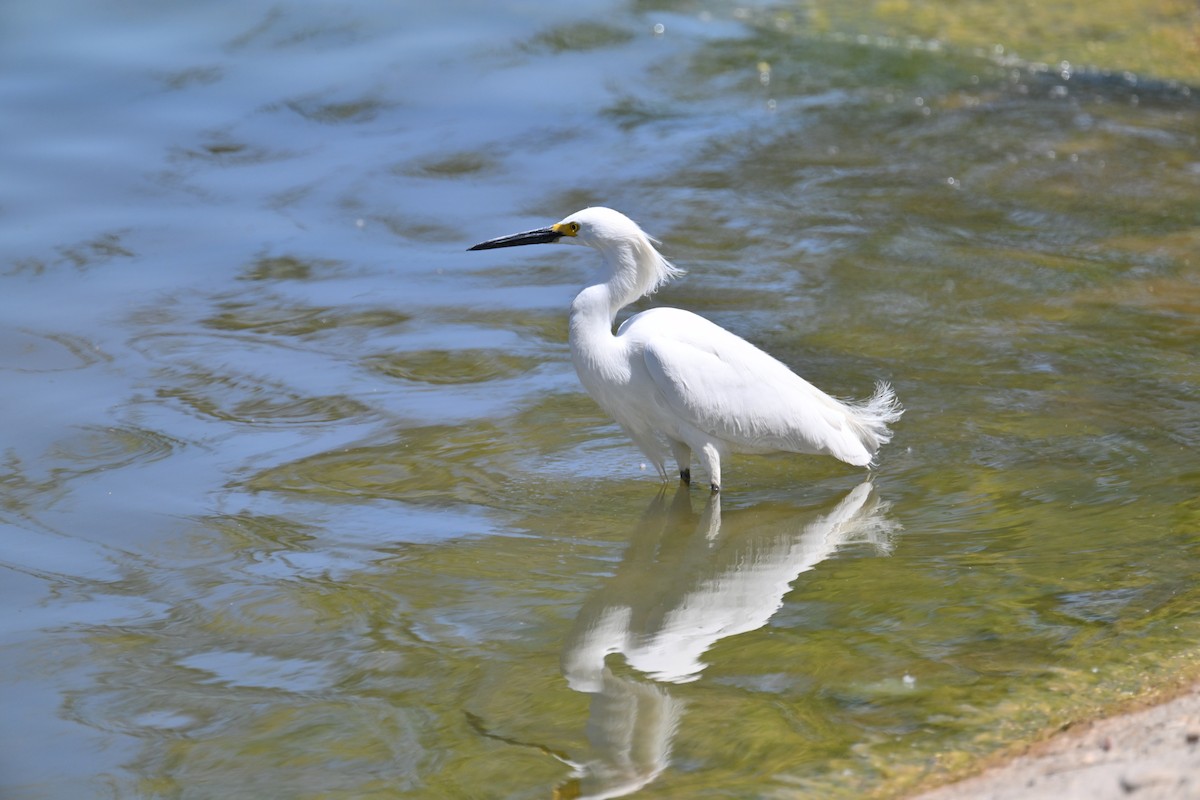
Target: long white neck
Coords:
[[594, 349], [634, 268]]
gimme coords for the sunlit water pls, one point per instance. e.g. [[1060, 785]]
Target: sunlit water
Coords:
[[300, 499]]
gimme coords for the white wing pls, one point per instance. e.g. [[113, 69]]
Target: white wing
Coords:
[[730, 390]]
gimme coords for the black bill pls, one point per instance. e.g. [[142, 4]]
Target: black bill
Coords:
[[539, 236]]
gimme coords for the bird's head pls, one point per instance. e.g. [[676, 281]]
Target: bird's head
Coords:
[[598, 227], [634, 267]]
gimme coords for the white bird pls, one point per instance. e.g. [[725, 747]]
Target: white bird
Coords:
[[673, 380]]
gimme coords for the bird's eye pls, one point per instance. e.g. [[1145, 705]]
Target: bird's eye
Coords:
[[573, 228]]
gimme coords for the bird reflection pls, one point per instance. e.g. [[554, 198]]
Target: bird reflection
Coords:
[[686, 582]]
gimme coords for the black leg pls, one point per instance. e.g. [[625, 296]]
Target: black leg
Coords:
[[685, 475]]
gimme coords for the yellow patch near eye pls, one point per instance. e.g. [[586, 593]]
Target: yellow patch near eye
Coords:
[[566, 228]]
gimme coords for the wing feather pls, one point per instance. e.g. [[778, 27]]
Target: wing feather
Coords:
[[730, 390]]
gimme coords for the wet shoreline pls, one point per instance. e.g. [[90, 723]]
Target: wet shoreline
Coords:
[[1151, 750]]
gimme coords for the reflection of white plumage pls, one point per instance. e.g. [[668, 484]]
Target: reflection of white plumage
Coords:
[[679, 591], [671, 375], [631, 727], [683, 585]]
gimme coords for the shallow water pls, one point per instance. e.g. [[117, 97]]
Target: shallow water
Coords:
[[300, 499]]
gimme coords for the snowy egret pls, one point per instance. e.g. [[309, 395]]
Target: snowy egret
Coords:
[[672, 379]]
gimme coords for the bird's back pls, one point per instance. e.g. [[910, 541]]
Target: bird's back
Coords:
[[734, 392]]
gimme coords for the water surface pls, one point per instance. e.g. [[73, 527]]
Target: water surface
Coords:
[[300, 499]]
